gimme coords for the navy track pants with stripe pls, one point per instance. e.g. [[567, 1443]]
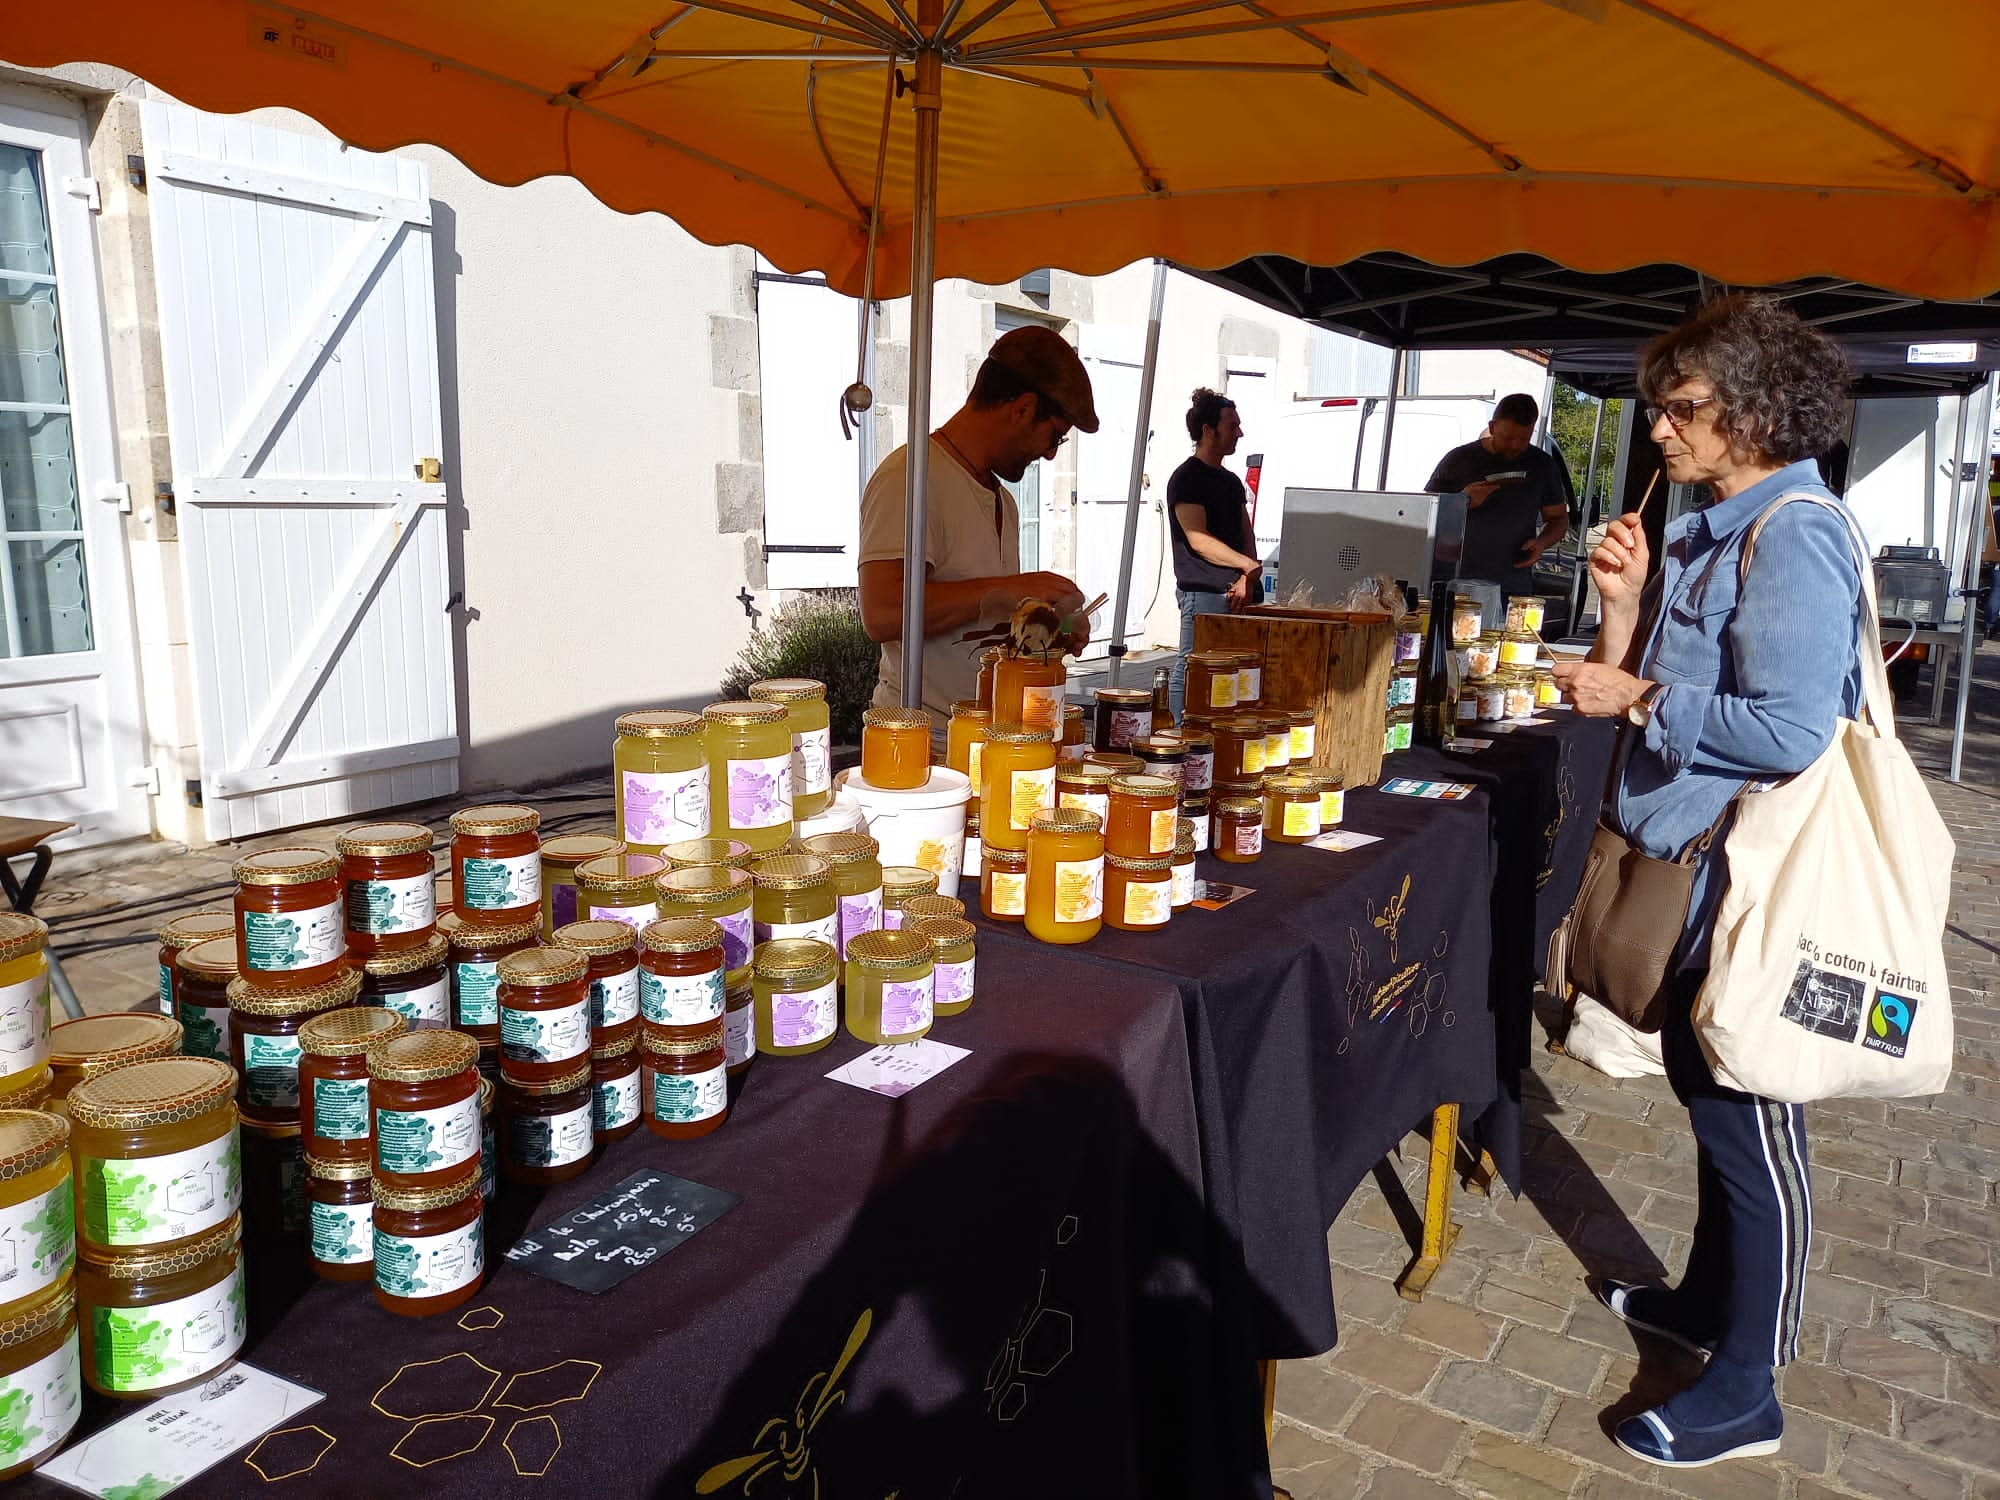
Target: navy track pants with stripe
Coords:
[[1753, 1226]]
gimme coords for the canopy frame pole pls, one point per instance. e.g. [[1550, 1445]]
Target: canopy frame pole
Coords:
[[1141, 431], [1586, 517], [1975, 513], [1396, 363], [923, 275]]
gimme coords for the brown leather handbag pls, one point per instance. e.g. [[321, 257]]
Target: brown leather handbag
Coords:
[[1620, 935]]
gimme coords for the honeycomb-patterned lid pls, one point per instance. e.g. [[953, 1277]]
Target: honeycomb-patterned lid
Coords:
[[161, 1092], [97, 1044], [794, 958], [1288, 784], [1124, 697], [417, 1200], [994, 857], [1183, 839], [596, 938], [1197, 740], [339, 1171], [1160, 747], [973, 709], [618, 1047], [566, 1083], [944, 932], [253, 999], [744, 713], [1117, 760], [29, 1140], [26, 1327], [619, 873], [680, 935], [1065, 820], [1084, 772], [350, 1032], [428, 954], [691, 852], [899, 718], [1015, 734], [21, 933], [573, 849], [1147, 866], [542, 968], [384, 840], [195, 927], [139, 1265], [487, 935], [658, 724], [900, 882], [888, 949], [790, 872], [285, 867], [936, 906], [843, 848], [787, 690], [1145, 786], [420, 1056], [696, 1042], [496, 820], [1239, 806], [701, 885]]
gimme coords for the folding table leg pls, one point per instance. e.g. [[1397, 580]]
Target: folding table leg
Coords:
[[1267, 1371], [1440, 1231], [59, 982]]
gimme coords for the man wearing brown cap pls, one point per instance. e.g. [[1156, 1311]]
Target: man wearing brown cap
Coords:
[[1030, 392]]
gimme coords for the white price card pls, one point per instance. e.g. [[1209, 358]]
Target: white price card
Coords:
[[897, 1067], [1340, 840], [1468, 747], [163, 1444]]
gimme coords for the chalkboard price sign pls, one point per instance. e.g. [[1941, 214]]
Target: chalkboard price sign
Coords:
[[595, 1247]]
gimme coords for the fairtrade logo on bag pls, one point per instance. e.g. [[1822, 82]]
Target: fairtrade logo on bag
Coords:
[[1889, 1022]]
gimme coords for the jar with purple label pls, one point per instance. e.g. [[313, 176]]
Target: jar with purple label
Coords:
[[560, 857], [795, 993], [889, 986], [681, 980], [749, 774], [856, 860], [619, 888], [1410, 637], [660, 778], [951, 940], [793, 897], [722, 894], [901, 883], [739, 1021]]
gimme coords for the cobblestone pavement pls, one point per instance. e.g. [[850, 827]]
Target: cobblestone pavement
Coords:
[[1506, 1380]]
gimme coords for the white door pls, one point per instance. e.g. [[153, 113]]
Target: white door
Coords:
[[1115, 359], [299, 337], [812, 470], [70, 743]]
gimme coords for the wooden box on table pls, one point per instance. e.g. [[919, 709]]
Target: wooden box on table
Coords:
[[1335, 663]]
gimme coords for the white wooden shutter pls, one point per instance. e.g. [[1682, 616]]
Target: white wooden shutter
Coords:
[[299, 338], [812, 472]]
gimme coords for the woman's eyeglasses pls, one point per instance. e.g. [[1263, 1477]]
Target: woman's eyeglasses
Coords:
[[1680, 412]]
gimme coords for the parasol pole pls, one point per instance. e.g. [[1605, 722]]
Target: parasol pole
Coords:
[[1141, 430], [923, 248]]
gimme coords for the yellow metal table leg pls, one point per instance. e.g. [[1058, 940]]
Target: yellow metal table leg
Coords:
[[1267, 1371], [1439, 1229]]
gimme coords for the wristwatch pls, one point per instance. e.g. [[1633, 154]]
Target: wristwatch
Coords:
[[1639, 713]]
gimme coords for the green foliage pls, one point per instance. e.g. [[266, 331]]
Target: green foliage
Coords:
[[817, 635], [1572, 417]]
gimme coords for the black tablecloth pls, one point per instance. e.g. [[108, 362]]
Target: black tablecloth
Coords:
[[1017, 1253]]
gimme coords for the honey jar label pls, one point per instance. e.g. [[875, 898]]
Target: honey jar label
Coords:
[[614, 999], [892, 919], [342, 1234], [1198, 771], [205, 1031], [970, 856], [614, 1102], [1079, 890], [271, 1071], [798, 1019], [664, 807], [277, 942], [1148, 903], [634, 917], [24, 1025], [168, 1343], [1253, 755], [40, 1404], [906, 1006], [1249, 838], [340, 1109], [739, 1035], [681, 999], [1332, 807], [824, 929], [972, 759], [1010, 894], [146, 1200], [166, 990], [1163, 828], [1028, 793], [1222, 690], [1250, 685], [1301, 819], [551, 1140], [413, 1142], [859, 914], [476, 993], [736, 943], [500, 884], [951, 984], [383, 906], [562, 901], [37, 1247], [1090, 802], [1041, 708], [1128, 725], [426, 1009], [812, 761], [1303, 736], [684, 1098], [760, 792], [430, 1265], [545, 1036], [1183, 892]]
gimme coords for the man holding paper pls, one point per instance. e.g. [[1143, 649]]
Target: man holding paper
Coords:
[[1518, 497]]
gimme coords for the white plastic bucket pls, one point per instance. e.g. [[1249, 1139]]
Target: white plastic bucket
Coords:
[[923, 827], [842, 814]]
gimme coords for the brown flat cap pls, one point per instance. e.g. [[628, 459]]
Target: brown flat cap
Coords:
[[1043, 359]]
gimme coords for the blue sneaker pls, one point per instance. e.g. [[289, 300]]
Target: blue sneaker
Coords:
[[1658, 1439], [1618, 1297]]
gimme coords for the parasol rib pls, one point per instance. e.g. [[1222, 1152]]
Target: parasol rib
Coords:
[[790, 23], [1265, 21]]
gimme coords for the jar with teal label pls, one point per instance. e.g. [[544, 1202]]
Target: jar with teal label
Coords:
[[264, 1041], [185, 932], [333, 1080], [496, 864], [201, 996], [616, 1101], [549, 1129], [476, 951], [340, 1219], [424, 1090], [544, 1014], [430, 1246], [686, 1082]]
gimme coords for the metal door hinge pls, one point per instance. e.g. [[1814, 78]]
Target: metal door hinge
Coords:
[[430, 471], [148, 779], [118, 494], [86, 189]]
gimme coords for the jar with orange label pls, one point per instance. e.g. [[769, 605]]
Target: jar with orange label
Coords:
[[1018, 780], [1211, 682], [1003, 884], [1028, 693], [1144, 813], [290, 931], [1291, 808], [544, 1014], [1086, 786], [333, 1080], [965, 737], [423, 1089], [612, 951], [496, 864], [389, 884], [1239, 747], [430, 1246], [1065, 891], [1138, 893], [185, 932], [896, 748], [1075, 741], [1239, 830]]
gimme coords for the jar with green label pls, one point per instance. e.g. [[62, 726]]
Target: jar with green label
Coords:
[[890, 983], [340, 1219], [612, 951], [952, 957], [687, 1080], [388, 886], [544, 1014], [264, 1041], [749, 774], [41, 1384], [856, 861], [720, 893], [202, 996], [423, 1088], [560, 857], [548, 1128], [681, 976], [413, 982], [619, 888], [162, 1319], [689, 853], [792, 897], [798, 1006], [496, 864], [37, 1207], [614, 1085], [476, 951], [291, 930], [430, 1246], [333, 1080], [154, 1152], [90, 1045], [660, 778], [807, 722], [185, 932]]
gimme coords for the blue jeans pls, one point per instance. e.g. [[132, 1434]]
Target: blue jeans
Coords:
[[1192, 603]]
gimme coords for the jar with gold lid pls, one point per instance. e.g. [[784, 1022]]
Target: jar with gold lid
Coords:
[[1028, 693], [1332, 795], [333, 1080], [796, 982], [560, 856], [749, 774], [1291, 808], [661, 779], [1163, 755], [902, 883], [340, 1219], [204, 973], [1144, 813], [611, 949], [965, 737], [1118, 762], [41, 1384], [1305, 735], [544, 1014], [1123, 715], [548, 1127], [915, 907], [412, 982], [424, 1090], [896, 748], [1198, 771], [1003, 885], [37, 1207], [274, 1181], [1519, 688], [388, 886], [1249, 678], [264, 1041], [155, 1153], [719, 893], [1239, 747], [792, 896], [1085, 786], [681, 972], [1195, 815], [739, 1021], [1017, 780], [1525, 613], [90, 1045], [1074, 742], [1184, 866], [161, 1319], [290, 928], [614, 1089], [686, 1083], [856, 864], [1277, 740], [1138, 893], [496, 864], [1211, 682], [476, 952], [1482, 658], [689, 853], [1519, 650], [1239, 830], [1065, 893], [430, 1246], [807, 721], [185, 932], [619, 888], [890, 980], [953, 958]]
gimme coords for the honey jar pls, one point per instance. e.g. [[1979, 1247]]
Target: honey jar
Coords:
[[334, 1118], [1291, 808], [544, 1014], [185, 932], [1144, 813], [430, 1246], [681, 972], [1249, 678], [614, 1084], [902, 883], [739, 1021], [1018, 780], [1028, 694], [413, 982], [1525, 613], [1277, 741], [792, 896], [686, 1080], [1482, 657], [489, 1139], [1520, 690], [719, 893], [340, 1219], [496, 865], [1074, 743], [1520, 649], [1085, 786], [1332, 796], [1183, 866], [689, 853], [1198, 771], [1195, 815], [1139, 893], [264, 1041], [476, 952], [560, 857], [1210, 686], [1239, 830], [1239, 747], [1163, 755], [423, 1088], [1003, 885], [1305, 736], [388, 886], [612, 951], [798, 1010], [661, 785], [91, 1045], [917, 907], [155, 1155], [37, 1209], [41, 1385], [953, 962], [290, 929], [989, 661], [1065, 890], [619, 888], [965, 738], [1118, 762], [204, 971], [1467, 623], [896, 748], [548, 1126], [890, 977], [974, 847], [1123, 715], [856, 863], [808, 724], [164, 1318]]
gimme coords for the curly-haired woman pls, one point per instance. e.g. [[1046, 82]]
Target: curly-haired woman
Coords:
[[1727, 676]]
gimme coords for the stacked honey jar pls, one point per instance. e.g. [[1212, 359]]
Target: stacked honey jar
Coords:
[[1502, 673]]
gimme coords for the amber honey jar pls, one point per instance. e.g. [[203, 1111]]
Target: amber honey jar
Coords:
[[1138, 893], [1144, 813], [91, 1045], [1277, 741], [1211, 682], [340, 1219], [681, 972], [413, 982], [1117, 762], [476, 952], [1017, 780], [161, 1319], [1074, 743], [264, 1041], [1291, 808], [155, 1153], [611, 950], [290, 927], [1003, 885], [896, 748], [430, 1246], [687, 1083], [560, 856], [1028, 693], [615, 1098], [989, 662], [423, 1088], [544, 1014], [202, 996], [1239, 830], [388, 885], [496, 864], [548, 1127], [1086, 786], [1239, 747], [1249, 678], [1163, 755], [953, 957], [1198, 770], [1183, 866], [185, 932], [1305, 736], [333, 1080], [965, 738], [1065, 890]]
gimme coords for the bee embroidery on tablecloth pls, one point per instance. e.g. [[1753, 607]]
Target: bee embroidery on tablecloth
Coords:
[[785, 1443]]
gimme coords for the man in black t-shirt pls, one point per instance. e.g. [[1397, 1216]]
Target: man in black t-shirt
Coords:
[[1519, 497], [1216, 567]]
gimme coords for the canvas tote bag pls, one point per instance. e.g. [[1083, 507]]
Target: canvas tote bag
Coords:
[[1826, 971]]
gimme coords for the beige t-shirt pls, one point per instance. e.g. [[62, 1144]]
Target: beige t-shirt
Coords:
[[962, 540]]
